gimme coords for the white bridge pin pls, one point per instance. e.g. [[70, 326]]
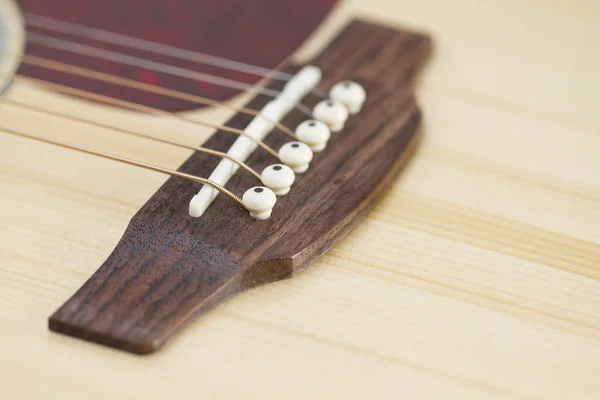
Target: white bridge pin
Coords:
[[259, 201], [314, 133], [350, 94], [278, 178], [296, 155], [333, 113]]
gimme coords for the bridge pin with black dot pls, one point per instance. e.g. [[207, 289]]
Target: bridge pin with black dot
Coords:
[[314, 133], [278, 178], [259, 201], [296, 155], [350, 94], [331, 112]]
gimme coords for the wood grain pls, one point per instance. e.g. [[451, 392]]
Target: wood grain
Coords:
[[473, 278], [168, 267]]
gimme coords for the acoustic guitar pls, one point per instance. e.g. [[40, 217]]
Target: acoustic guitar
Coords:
[[298, 199]]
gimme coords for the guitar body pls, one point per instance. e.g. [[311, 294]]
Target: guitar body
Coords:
[[472, 275]]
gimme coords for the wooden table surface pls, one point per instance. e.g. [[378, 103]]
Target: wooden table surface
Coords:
[[477, 277]]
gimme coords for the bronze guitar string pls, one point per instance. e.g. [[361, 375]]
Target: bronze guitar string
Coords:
[[107, 55], [113, 56], [137, 107], [109, 78], [128, 161], [134, 106], [130, 132]]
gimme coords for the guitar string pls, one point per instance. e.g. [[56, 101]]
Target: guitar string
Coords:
[[113, 56], [65, 27], [137, 107], [107, 55], [113, 79], [88, 50], [128, 161], [130, 132]]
